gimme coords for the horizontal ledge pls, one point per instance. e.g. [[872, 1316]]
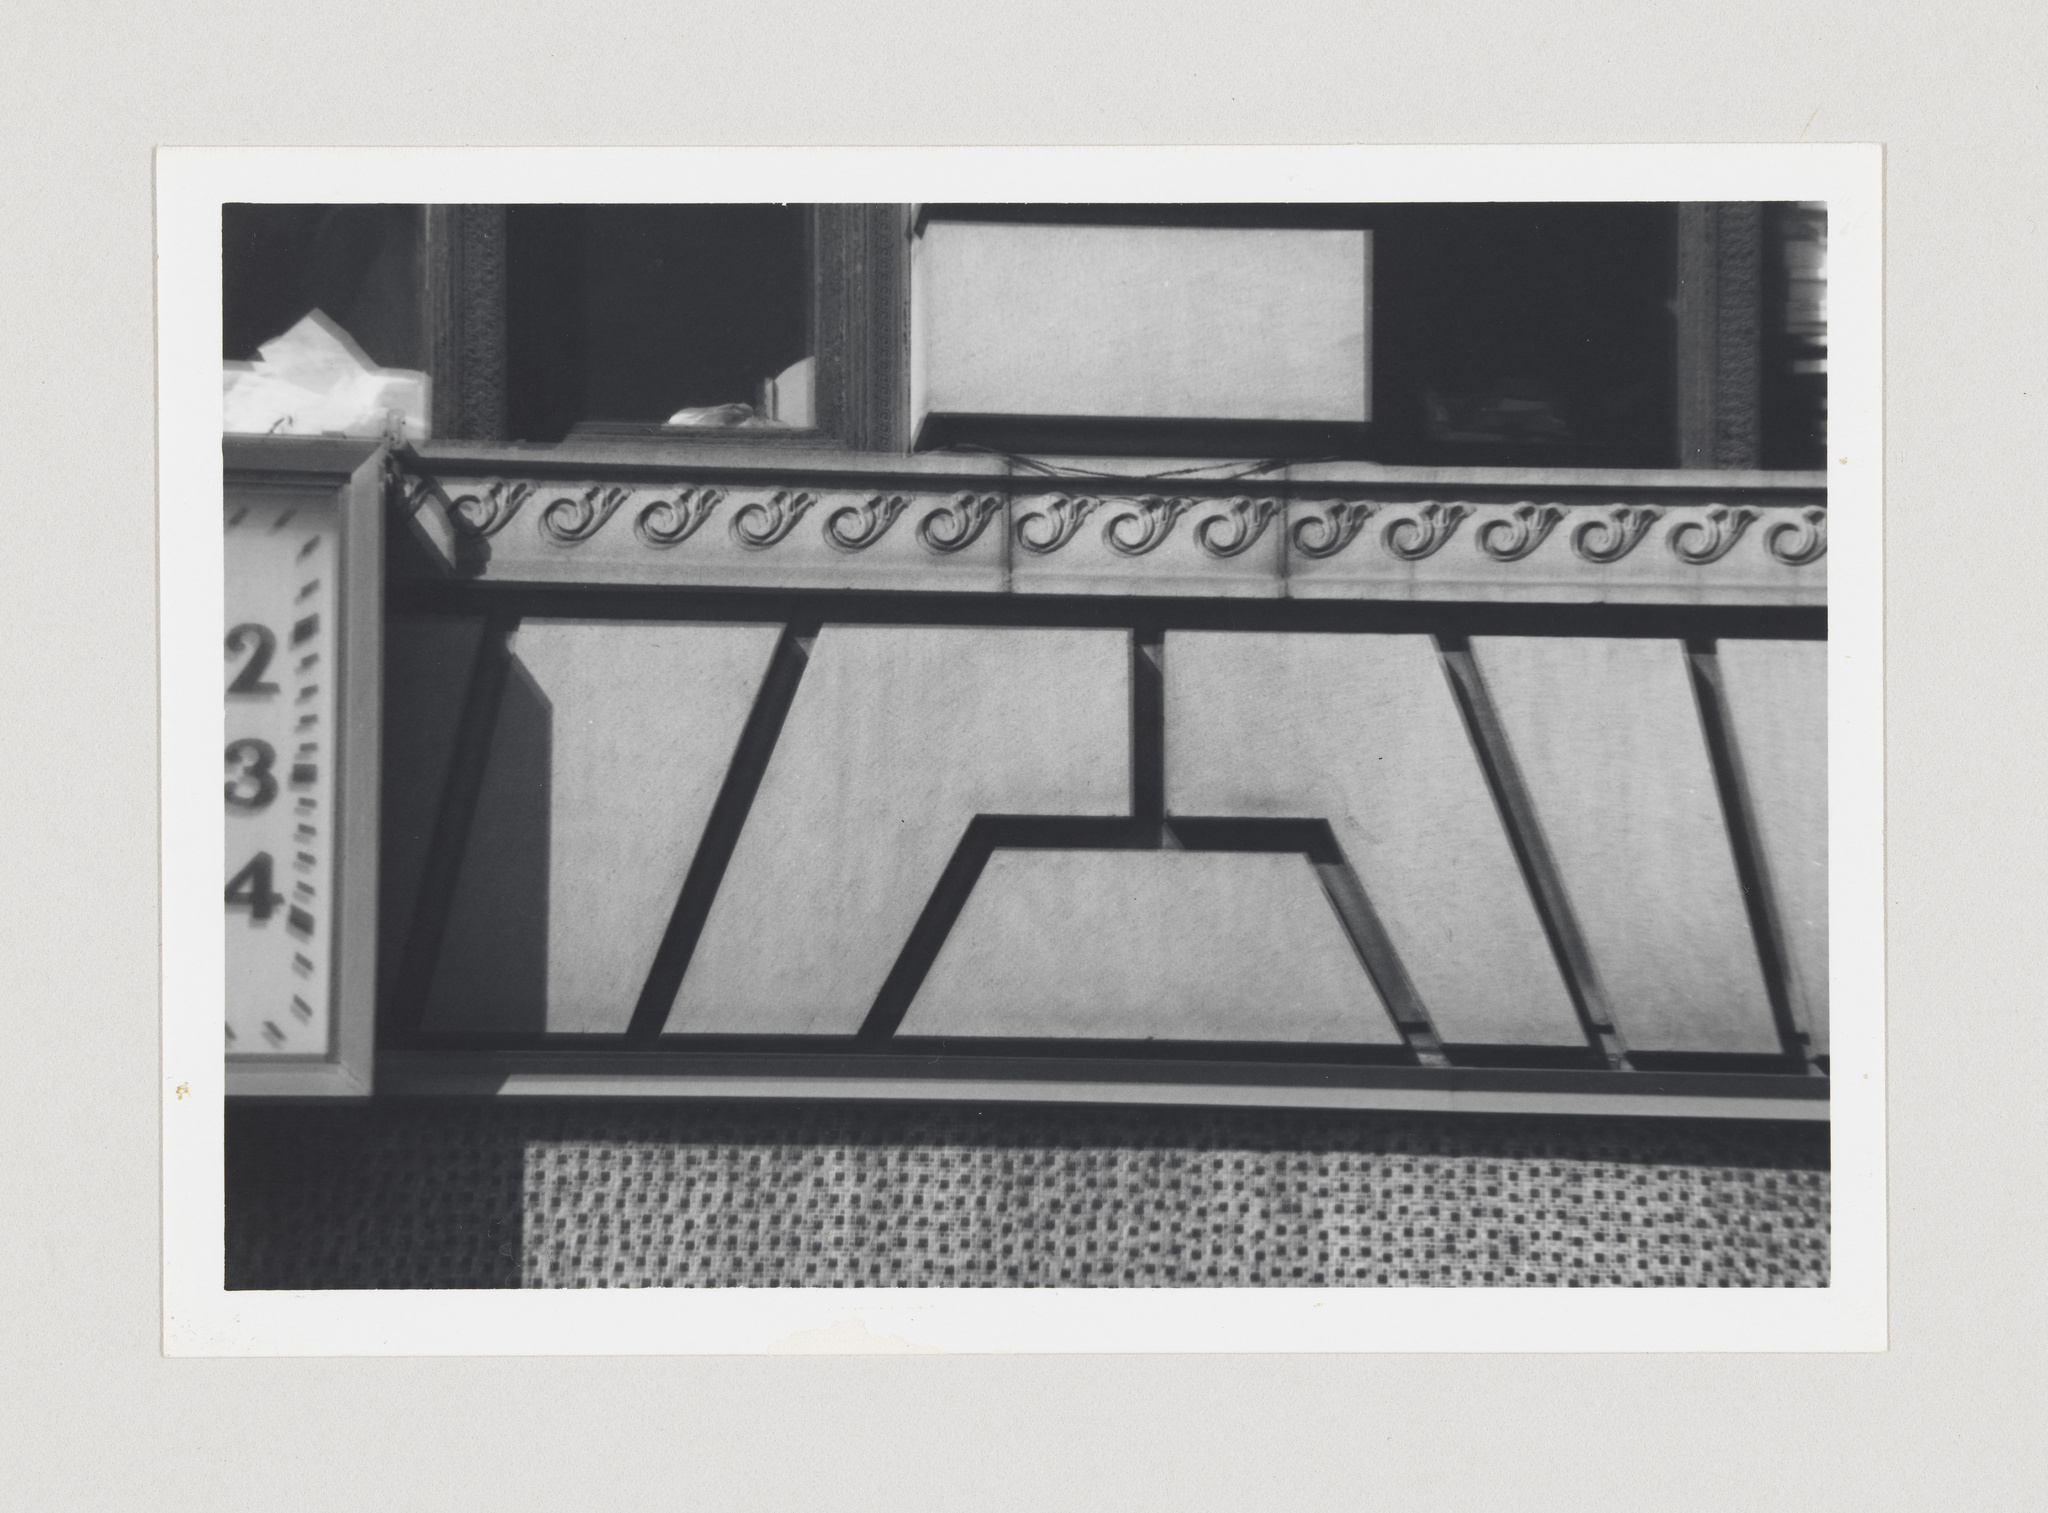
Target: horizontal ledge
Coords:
[[1687, 1095], [626, 456]]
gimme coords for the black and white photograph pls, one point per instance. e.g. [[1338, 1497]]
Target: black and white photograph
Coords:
[[1096, 744]]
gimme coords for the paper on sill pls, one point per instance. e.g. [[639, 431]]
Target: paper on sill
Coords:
[[315, 381]]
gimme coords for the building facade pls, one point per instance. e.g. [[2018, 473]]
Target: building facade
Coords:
[[1028, 745]]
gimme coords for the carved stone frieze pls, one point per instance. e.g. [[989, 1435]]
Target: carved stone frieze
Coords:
[[574, 518], [761, 523], [910, 530], [1234, 531], [855, 527], [671, 521], [955, 525], [1613, 536], [1143, 524]]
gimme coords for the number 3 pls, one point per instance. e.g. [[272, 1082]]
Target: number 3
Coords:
[[254, 758]]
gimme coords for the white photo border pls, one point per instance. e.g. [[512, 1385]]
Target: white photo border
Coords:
[[202, 1318]]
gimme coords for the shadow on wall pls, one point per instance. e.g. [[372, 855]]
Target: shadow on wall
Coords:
[[427, 1195], [493, 967]]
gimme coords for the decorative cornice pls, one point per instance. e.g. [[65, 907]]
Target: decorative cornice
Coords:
[[490, 506], [1424, 533], [1608, 541], [1336, 527], [1809, 535], [1762, 544], [1233, 532], [955, 525], [778, 515], [1062, 516], [1141, 528], [1716, 533], [855, 527], [671, 522], [1513, 536], [574, 519]]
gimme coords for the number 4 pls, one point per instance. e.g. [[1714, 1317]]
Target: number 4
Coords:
[[250, 889]]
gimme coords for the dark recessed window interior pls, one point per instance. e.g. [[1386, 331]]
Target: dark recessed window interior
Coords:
[[1541, 333], [359, 264], [630, 313]]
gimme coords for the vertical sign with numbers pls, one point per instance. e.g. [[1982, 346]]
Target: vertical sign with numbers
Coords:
[[303, 538]]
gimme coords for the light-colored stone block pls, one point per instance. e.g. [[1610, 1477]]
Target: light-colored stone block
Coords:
[[897, 738], [1198, 323], [1363, 731], [1606, 736], [1139, 945], [611, 745], [1777, 699]]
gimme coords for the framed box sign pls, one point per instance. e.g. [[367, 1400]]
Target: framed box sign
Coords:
[[303, 533]]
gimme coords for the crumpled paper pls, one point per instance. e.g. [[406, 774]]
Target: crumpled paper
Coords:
[[315, 381]]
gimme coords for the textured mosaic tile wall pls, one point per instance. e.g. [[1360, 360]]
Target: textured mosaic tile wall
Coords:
[[640, 1195]]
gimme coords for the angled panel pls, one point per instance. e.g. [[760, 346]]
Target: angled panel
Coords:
[[428, 662], [897, 738], [1363, 731], [1606, 736], [610, 746], [1777, 699], [1172, 945]]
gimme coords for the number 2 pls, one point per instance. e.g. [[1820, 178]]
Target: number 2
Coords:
[[249, 679]]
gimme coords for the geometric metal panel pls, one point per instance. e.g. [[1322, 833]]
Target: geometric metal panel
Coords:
[[1606, 737]]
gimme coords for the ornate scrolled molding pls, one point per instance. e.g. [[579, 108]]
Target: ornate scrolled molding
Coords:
[[1515, 535], [489, 508], [1233, 532], [1717, 534], [1613, 537], [1141, 528], [955, 525], [1054, 525], [1424, 533], [1809, 535], [670, 522], [855, 527], [778, 515], [572, 519], [1328, 533]]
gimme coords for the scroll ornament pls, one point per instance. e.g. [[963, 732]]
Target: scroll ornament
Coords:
[[1518, 533], [955, 526], [1144, 526], [855, 527], [1326, 534], [1046, 530], [1699, 542], [1428, 530], [670, 522], [1619, 533], [574, 519], [488, 510], [761, 523], [1233, 532], [1809, 538]]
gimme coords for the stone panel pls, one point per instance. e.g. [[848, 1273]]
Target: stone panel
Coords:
[[1777, 697], [610, 747], [897, 738], [1171, 945], [1606, 736], [1363, 731]]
